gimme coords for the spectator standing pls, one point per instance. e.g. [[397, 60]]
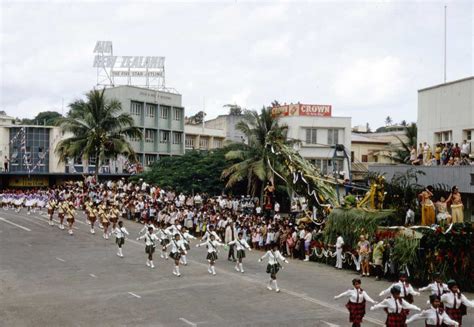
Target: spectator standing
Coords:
[[5, 164], [465, 149], [339, 244]]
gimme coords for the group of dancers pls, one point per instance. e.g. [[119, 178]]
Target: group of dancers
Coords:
[[447, 303]]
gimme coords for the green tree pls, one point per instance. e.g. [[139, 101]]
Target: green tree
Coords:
[[197, 118], [195, 171], [43, 118], [388, 121], [99, 130], [400, 153], [234, 109], [256, 162]]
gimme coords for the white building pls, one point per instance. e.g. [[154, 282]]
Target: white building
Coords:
[[228, 124], [200, 137], [446, 113], [318, 132]]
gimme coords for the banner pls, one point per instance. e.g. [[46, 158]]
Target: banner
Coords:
[[23, 181], [315, 110]]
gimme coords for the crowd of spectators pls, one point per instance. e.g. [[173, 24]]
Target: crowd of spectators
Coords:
[[443, 154]]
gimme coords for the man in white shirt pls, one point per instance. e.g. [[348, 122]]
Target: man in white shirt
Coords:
[[339, 244], [464, 149]]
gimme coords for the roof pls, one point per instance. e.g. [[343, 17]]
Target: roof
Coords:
[[364, 138], [142, 88], [448, 83]]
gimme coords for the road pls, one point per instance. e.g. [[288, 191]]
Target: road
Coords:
[[50, 278]]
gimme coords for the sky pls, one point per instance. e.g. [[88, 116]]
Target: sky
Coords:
[[366, 59]]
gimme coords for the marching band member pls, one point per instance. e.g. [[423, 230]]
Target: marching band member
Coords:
[[120, 233], [273, 266], [104, 220], [356, 303], [241, 244], [395, 307], [407, 291], [114, 214], [69, 213], [92, 213], [61, 210], [211, 231], [434, 316], [212, 245], [52, 204], [150, 243]]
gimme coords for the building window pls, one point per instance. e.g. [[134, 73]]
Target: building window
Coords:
[[136, 108], [444, 137], [365, 158], [469, 134], [333, 136], [178, 114], [164, 137], [189, 142], [165, 112], [352, 156], [311, 136], [177, 138], [149, 136], [203, 143], [217, 144], [150, 159], [150, 110]]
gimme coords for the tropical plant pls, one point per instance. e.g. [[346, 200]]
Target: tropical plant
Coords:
[[99, 130], [388, 121], [195, 171], [254, 160], [400, 153]]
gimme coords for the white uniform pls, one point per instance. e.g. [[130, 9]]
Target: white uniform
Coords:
[[339, 244], [434, 317], [435, 288]]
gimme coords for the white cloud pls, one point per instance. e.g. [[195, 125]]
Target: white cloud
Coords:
[[369, 82]]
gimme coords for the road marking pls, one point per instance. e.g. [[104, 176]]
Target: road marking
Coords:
[[11, 223], [329, 324], [59, 259], [33, 221], [190, 323], [135, 295], [93, 276]]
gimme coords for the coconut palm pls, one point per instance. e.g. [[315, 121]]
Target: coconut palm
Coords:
[[99, 130], [254, 160], [400, 153]]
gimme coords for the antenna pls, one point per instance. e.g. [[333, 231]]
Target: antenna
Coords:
[[445, 41]]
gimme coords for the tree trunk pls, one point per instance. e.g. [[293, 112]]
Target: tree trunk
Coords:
[[97, 166]]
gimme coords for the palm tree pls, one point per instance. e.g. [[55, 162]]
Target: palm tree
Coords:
[[255, 159], [99, 130], [401, 153], [388, 121]]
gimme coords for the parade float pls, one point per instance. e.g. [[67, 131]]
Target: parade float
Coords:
[[379, 216]]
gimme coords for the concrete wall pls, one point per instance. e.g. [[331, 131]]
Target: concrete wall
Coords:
[[448, 107], [4, 145], [228, 124], [361, 149]]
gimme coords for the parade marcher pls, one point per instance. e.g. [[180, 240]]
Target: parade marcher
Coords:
[[52, 204], [356, 304], [150, 244], [120, 233], [69, 214], [163, 235], [437, 287], [186, 237], [212, 245], [104, 220], [177, 250], [455, 302], [395, 307], [240, 244], [434, 316], [61, 211], [273, 266], [92, 214], [407, 291], [114, 214], [339, 244]]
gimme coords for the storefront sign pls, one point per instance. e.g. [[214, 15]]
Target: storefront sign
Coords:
[[302, 110], [24, 181]]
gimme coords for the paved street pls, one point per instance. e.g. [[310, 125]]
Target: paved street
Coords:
[[49, 278]]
